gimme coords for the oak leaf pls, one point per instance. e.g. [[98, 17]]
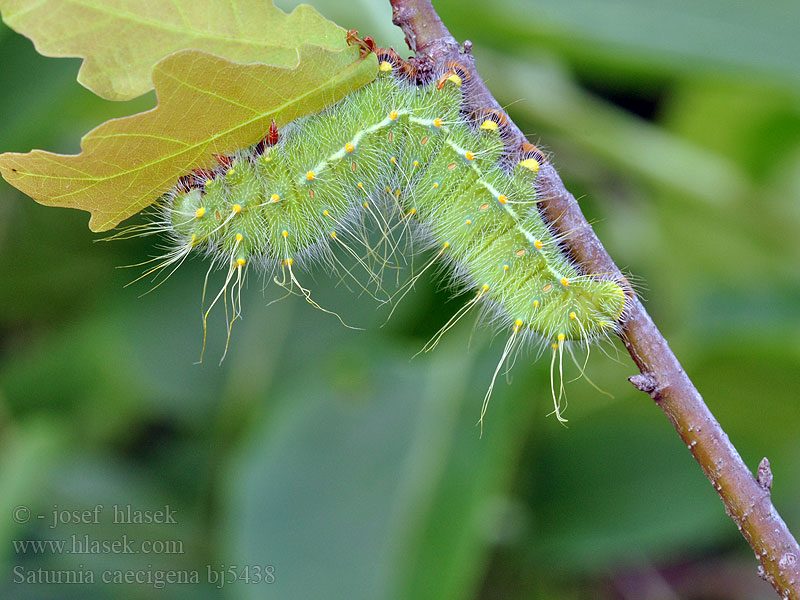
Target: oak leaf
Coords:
[[121, 40], [207, 105]]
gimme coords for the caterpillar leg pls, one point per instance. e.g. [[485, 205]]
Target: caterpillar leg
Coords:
[[532, 157], [456, 74], [389, 60]]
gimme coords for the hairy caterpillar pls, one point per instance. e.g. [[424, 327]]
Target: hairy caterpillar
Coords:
[[408, 160]]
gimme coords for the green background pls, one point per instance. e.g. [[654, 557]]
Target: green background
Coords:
[[357, 472]]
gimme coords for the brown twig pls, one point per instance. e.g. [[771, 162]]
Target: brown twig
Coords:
[[747, 500]]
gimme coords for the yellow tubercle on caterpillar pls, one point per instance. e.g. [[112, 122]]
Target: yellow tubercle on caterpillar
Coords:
[[349, 147], [239, 237], [469, 155], [285, 234], [237, 208], [275, 198], [199, 212], [538, 244], [385, 67], [489, 125], [565, 282], [452, 76], [531, 164], [437, 122], [240, 262], [415, 163], [559, 343], [393, 115], [310, 175], [502, 199]]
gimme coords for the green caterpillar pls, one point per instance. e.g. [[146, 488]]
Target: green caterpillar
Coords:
[[407, 159]]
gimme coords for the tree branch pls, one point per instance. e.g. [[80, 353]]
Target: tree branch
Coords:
[[747, 500]]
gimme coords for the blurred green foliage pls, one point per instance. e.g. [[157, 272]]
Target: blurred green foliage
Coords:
[[358, 473]]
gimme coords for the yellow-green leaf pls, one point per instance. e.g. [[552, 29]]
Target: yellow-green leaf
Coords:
[[207, 105], [121, 40]]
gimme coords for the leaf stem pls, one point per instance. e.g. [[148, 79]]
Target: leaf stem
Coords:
[[747, 499]]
